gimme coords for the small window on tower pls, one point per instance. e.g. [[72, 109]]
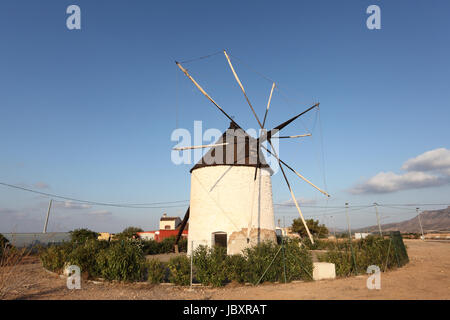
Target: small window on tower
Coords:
[[167, 227]]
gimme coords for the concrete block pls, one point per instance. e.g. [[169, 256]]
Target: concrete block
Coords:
[[324, 270]]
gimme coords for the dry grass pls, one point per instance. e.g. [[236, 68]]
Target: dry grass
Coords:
[[14, 277]]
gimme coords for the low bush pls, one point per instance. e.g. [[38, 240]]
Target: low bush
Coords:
[[182, 245], [355, 257], [236, 268], [299, 265], [341, 259], [180, 270], [320, 244], [123, 261], [271, 262], [258, 260], [167, 245], [156, 271], [54, 257], [82, 235], [210, 265], [150, 247], [84, 255]]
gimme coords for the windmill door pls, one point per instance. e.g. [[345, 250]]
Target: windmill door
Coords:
[[220, 239]]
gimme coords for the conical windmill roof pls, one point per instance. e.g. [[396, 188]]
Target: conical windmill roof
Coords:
[[241, 150]]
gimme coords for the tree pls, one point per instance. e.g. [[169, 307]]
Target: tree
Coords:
[[81, 235], [316, 229], [129, 233]]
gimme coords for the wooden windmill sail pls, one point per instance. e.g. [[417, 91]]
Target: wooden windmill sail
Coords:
[[235, 155]]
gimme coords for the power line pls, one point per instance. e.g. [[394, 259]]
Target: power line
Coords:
[[150, 205], [120, 205]]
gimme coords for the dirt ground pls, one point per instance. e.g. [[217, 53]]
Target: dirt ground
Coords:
[[427, 276]]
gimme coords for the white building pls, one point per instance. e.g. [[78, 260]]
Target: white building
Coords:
[[147, 235], [228, 206], [169, 223], [361, 235]]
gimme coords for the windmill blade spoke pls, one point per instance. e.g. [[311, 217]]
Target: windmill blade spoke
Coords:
[[284, 124], [242, 88], [268, 104], [200, 147], [292, 193], [299, 211], [293, 170], [204, 93], [297, 136]]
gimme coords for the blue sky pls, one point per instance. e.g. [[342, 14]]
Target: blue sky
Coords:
[[89, 113]]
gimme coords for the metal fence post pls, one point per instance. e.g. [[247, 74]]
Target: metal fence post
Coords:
[[192, 258]]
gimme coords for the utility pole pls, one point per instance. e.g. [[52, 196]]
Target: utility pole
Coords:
[[334, 226], [350, 237], [378, 218], [420, 223], [348, 221], [48, 214]]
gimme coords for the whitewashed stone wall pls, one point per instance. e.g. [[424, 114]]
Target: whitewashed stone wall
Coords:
[[228, 199]]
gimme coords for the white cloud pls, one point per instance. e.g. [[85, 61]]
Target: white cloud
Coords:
[[101, 213], [437, 159], [430, 169], [71, 205]]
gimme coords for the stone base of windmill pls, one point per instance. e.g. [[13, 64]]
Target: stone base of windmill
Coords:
[[323, 271]]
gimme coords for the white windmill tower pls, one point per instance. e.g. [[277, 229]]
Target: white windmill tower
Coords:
[[231, 191]]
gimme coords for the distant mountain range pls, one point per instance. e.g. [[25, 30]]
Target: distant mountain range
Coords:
[[433, 220]]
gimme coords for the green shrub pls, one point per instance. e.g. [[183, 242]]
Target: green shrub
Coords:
[[182, 245], [167, 245], [155, 271], [82, 235], [354, 258], [296, 260], [258, 260], [84, 255], [150, 247], [180, 270], [319, 244], [236, 268], [210, 265], [123, 261], [299, 265], [341, 259], [128, 233], [54, 257]]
